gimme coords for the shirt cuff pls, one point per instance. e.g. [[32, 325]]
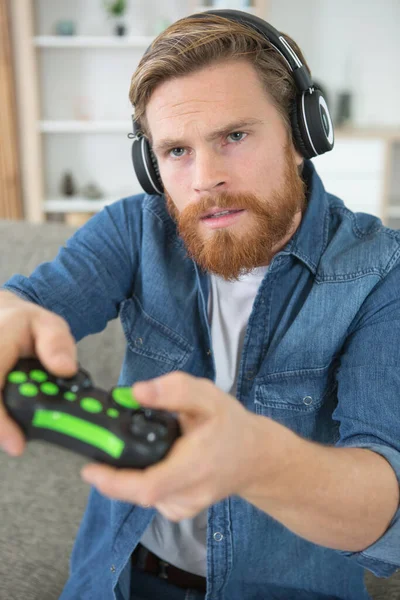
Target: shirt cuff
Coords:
[[10, 287], [382, 557]]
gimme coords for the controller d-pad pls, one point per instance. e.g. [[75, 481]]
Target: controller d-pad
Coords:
[[76, 383]]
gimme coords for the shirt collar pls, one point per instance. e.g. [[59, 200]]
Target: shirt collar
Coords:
[[309, 241]]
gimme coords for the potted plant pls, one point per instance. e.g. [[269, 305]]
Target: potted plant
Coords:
[[116, 9]]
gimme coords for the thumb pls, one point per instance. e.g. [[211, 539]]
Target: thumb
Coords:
[[146, 392], [176, 392]]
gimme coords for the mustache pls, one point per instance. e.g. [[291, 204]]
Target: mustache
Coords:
[[224, 201]]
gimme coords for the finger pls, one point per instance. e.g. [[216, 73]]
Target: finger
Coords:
[[12, 439], [54, 344], [177, 392], [147, 487], [120, 484], [23, 329], [186, 506], [14, 328]]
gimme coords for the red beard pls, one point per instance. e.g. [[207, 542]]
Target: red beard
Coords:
[[230, 253]]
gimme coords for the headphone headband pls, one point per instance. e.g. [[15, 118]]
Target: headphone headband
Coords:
[[312, 128], [274, 37]]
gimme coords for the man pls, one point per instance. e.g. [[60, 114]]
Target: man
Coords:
[[264, 313]]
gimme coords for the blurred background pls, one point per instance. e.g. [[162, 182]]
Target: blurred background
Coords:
[[65, 71]]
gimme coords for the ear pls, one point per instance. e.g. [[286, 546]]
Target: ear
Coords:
[[299, 159]]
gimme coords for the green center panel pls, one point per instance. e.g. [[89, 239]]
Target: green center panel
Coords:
[[73, 427]]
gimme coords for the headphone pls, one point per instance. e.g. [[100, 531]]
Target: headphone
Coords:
[[312, 127]]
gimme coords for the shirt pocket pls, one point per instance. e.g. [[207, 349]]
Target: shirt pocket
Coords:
[[155, 348], [303, 401]]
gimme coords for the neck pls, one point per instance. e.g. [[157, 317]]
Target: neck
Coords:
[[282, 243]]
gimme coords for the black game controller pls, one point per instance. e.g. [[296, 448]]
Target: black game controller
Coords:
[[110, 428]]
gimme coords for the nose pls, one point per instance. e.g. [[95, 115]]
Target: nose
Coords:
[[209, 173]]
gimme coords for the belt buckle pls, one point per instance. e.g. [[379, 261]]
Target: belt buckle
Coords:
[[162, 574]]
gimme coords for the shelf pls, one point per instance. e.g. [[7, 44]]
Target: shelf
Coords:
[[81, 204], [91, 41], [82, 126]]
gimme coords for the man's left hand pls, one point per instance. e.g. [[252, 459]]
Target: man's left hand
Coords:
[[211, 460]]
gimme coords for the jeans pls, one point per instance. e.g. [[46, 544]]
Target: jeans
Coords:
[[145, 586]]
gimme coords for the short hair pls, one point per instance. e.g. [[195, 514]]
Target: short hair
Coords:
[[193, 43]]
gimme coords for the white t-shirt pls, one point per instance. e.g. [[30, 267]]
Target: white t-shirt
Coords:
[[183, 544]]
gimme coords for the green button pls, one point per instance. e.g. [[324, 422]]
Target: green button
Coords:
[[91, 405], [17, 377], [124, 397], [70, 396], [28, 389], [38, 375], [91, 434], [113, 412], [50, 389]]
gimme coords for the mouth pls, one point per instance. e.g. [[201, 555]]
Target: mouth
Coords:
[[216, 212], [217, 218]]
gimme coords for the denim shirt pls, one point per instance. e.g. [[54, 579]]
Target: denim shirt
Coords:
[[320, 356]]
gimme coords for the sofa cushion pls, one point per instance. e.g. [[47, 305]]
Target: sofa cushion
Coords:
[[42, 495]]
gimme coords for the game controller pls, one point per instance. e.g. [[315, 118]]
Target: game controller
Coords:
[[108, 427]]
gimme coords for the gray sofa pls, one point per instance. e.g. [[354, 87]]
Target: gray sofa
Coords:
[[42, 495]]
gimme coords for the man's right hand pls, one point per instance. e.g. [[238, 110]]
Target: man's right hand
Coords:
[[29, 330]]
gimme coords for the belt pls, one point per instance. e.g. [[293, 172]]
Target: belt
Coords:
[[146, 561]]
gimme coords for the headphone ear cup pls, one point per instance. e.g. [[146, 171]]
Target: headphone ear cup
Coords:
[[146, 167], [297, 131], [312, 124]]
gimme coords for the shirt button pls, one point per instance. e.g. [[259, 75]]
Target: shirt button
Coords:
[[112, 569], [308, 400], [138, 342], [250, 375], [218, 536], [209, 352]]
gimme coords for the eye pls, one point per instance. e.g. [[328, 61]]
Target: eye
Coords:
[[176, 152], [237, 136]]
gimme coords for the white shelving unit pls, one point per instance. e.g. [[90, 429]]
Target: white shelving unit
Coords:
[[92, 41], [65, 126], [52, 144]]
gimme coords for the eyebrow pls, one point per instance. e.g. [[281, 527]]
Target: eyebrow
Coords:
[[213, 135]]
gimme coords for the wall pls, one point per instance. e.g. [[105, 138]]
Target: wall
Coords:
[[355, 44], [346, 43]]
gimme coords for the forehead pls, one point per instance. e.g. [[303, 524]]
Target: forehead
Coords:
[[221, 91]]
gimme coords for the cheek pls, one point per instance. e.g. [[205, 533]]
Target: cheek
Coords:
[[178, 185], [175, 179], [268, 171]]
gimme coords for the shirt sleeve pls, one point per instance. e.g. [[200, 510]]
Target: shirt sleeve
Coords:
[[368, 407], [93, 273]]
